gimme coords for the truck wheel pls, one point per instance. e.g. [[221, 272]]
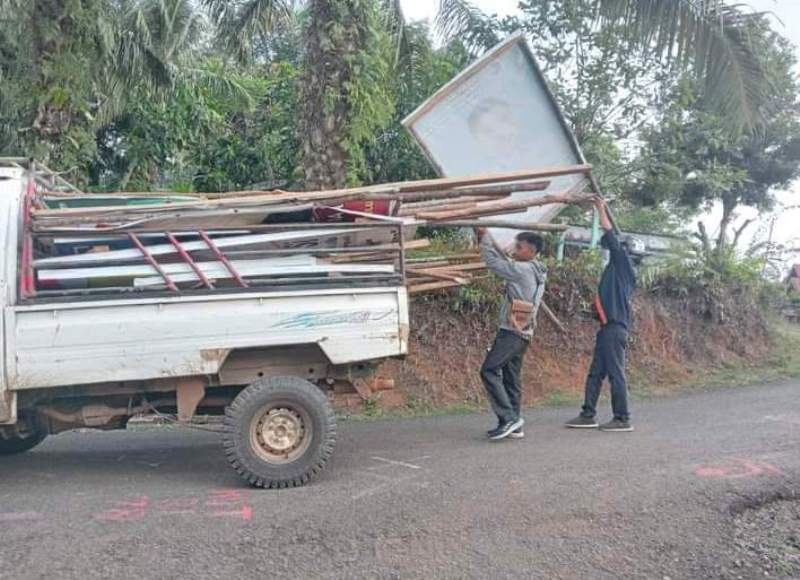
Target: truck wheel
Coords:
[[20, 438], [279, 432]]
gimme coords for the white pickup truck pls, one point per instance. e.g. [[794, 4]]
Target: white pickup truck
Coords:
[[265, 358]]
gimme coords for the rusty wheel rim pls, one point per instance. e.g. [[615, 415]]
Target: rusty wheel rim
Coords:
[[280, 433]]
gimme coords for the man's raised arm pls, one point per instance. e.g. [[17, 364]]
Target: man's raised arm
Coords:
[[612, 240], [495, 260]]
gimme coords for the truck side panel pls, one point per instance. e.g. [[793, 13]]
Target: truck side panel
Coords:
[[11, 187], [84, 343]]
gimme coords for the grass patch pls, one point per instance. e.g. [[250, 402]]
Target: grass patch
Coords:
[[782, 363], [560, 399]]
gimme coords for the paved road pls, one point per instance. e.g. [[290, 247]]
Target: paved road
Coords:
[[423, 498]]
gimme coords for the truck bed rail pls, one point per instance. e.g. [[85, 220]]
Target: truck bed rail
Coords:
[[98, 260]]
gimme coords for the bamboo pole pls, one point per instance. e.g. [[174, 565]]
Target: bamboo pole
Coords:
[[430, 273], [452, 182], [496, 207], [392, 189], [507, 224], [551, 315], [427, 287]]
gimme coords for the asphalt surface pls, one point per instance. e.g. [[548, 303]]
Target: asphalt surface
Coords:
[[422, 498]]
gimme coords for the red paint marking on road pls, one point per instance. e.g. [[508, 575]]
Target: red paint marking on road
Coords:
[[222, 500], [244, 513], [218, 503], [178, 505], [737, 468], [126, 510]]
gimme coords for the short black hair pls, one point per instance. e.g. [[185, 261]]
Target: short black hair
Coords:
[[534, 240]]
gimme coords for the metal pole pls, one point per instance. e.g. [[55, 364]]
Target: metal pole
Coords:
[[595, 229]]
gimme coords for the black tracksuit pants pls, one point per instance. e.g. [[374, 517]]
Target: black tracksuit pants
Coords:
[[608, 361], [502, 375]]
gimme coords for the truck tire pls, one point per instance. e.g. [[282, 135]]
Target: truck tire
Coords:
[[15, 440], [279, 432]]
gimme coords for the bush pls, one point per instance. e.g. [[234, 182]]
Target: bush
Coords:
[[572, 285], [697, 269]]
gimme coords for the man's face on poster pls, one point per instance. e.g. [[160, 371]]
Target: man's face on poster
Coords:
[[494, 125]]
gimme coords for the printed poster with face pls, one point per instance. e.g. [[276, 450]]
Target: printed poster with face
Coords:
[[498, 115]]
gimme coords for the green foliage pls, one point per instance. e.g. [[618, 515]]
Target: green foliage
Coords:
[[698, 270], [572, 285], [462, 20], [368, 89], [258, 146], [662, 219], [483, 296], [446, 240], [418, 71], [690, 160], [242, 26], [713, 39], [603, 84], [345, 88], [54, 79]]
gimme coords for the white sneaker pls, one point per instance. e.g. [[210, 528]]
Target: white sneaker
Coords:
[[505, 430]]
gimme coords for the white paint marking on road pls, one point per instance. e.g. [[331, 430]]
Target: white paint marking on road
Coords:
[[20, 516], [400, 463], [791, 418]]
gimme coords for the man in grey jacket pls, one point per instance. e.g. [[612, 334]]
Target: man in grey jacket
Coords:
[[502, 370]]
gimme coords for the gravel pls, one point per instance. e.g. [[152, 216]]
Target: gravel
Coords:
[[767, 537]]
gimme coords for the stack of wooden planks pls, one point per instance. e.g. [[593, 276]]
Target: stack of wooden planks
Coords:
[[104, 245], [436, 273]]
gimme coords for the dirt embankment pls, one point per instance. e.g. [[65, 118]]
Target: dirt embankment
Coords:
[[672, 339]]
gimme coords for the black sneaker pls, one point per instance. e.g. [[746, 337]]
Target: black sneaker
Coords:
[[617, 425], [517, 434], [581, 422], [505, 429]]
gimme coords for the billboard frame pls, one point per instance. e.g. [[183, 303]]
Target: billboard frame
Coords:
[[516, 39]]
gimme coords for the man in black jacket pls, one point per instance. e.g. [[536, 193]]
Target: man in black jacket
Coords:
[[613, 308]]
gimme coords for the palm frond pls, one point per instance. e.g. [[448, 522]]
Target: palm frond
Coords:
[[462, 20], [710, 36], [218, 83], [155, 40], [394, 21], [238, 23]]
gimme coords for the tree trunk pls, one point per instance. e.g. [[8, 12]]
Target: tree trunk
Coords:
[[325, 107], [729, 204], [702, 235]]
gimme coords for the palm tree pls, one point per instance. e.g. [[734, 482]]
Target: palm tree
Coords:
[[241, 22], [45, 45], [344, 73], [160, 47]]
